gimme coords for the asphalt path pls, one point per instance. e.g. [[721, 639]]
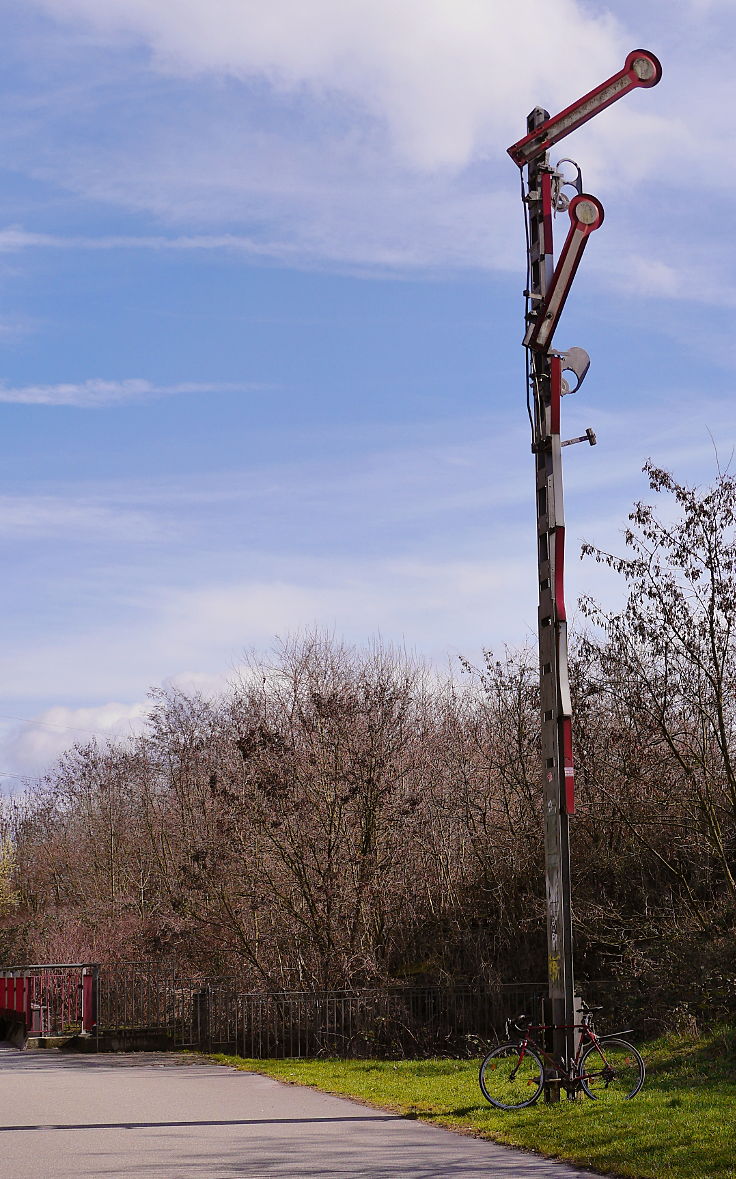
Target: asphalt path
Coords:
[[159, 1114]]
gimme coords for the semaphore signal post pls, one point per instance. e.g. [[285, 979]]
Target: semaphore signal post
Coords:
[[548, 285]]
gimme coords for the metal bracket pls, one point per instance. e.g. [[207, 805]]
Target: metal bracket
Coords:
[[588, 436], [575, 360], [577, 183], [561, 199]]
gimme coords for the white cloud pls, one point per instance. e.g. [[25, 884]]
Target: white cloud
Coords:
[[361, 134], [433, 605], [371, 133], [444, 75], [364, 217], [96, 393], [33, 517], [441, 604], [15, 238], [28, 748], [14, 326]]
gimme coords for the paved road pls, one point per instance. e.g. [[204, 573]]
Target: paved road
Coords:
[[155, 1114]]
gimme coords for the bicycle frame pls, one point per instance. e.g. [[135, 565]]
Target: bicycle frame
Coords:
[[570, 1075]]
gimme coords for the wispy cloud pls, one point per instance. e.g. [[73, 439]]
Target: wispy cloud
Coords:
[[368, 135], [15, 238], [28, 747], [97, 394], [434, 605], [441, 75], [14, 327], [30, 518], [372, 134], [408, 227]]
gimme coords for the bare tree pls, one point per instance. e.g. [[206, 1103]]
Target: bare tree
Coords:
[[667, 666]]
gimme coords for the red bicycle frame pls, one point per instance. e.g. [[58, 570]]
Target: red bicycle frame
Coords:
[[587, 1036]]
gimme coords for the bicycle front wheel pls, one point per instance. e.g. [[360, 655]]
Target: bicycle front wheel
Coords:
[[611, 1070], [510, 1079]]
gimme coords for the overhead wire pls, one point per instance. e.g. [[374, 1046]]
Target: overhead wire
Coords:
[[527, 288], [61, 728], [20, 777], [56, 728]]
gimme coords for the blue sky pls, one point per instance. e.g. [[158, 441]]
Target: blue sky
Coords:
[[261, 317]]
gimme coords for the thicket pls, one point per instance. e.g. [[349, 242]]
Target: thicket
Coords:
[[346, 817]]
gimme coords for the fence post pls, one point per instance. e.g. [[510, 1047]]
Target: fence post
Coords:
[[201, 1013], [27, 1002], [89, 999]]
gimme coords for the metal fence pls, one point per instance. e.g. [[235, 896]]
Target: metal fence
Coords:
[[137, 1000], [139, 1006], [211, 1014], [390, 1023]]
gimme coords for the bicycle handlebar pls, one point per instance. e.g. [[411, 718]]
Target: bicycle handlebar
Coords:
[[521, 1022]]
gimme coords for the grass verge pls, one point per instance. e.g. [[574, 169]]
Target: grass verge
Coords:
[[681, 1126]]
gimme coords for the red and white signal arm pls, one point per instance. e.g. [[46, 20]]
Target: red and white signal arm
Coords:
[[641, 68], [586, 215]]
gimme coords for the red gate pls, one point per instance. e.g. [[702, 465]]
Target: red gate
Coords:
[[58, 999]]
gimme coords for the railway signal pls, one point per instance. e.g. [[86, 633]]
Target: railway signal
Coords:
[[548, 290], [586, 214], [641, 68]]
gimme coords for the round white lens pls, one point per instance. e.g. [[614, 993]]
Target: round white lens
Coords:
[[643, 68], [586, 212]]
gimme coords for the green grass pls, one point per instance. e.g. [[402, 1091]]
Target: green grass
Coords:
[[681, 1126]]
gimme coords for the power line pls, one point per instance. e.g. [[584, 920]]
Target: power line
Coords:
[[61, 728]]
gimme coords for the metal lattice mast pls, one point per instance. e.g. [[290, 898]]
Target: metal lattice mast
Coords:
[[547, 291]]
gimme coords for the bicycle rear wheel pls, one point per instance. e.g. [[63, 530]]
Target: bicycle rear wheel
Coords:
[[509, 1080], [612, 1071]]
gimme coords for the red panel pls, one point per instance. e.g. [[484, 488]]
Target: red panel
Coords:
[[560, 612], [546, 190], [88, 1003]]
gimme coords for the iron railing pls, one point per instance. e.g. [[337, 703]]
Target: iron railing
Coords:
[[138, 1000], [389, 1023], [140, 1006], [212, 1015]]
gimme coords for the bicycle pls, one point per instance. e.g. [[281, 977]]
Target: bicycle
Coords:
[[606, 1068]]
